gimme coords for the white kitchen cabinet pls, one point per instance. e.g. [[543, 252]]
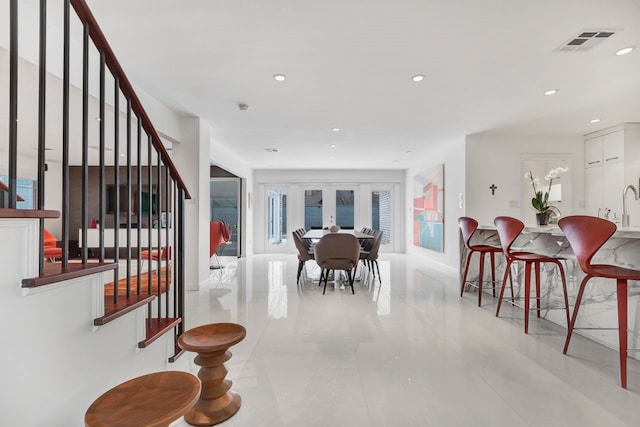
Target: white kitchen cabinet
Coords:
[[613, 147], [593, 152], [612, 161], [593, 190]]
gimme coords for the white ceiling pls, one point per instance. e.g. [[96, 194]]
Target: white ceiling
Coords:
[[349, 65]]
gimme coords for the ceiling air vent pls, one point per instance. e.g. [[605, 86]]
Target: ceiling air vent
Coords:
[[586, 40], [272, 150]]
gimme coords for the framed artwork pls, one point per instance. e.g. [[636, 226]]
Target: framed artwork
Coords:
[[428, 209]]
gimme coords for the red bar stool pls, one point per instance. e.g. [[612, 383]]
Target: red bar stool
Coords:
[[586, 235], [508, 230], [468, 226]]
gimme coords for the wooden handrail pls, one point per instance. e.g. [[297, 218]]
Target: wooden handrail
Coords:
[[100, 41]]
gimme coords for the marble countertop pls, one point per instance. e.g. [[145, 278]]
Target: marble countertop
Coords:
[[632, 232]]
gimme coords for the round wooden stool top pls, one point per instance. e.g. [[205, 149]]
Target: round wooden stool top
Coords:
[[150, 400], [212, 337]]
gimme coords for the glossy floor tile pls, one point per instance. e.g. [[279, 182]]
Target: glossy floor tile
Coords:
[[405, 352]]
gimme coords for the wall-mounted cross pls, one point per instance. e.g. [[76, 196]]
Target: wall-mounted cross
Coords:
[[493, 189]]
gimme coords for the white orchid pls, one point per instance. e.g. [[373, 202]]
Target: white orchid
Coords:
[[540, 201]]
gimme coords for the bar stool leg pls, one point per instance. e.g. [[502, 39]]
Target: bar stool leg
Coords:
[[572, 324], [466, 270], [537, 271], [493, 273], [527, 295], [480, 278], [507, 273], [622, 329]]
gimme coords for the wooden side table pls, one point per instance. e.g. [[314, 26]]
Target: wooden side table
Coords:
[[150, 400], [217, 403]]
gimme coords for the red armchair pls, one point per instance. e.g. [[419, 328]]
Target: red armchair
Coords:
[[219, 233], [165, 254], [51, 251]]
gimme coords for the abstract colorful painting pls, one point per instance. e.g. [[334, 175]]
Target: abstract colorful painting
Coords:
[[428, 209]]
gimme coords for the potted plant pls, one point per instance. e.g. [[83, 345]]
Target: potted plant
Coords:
[[540, 199]]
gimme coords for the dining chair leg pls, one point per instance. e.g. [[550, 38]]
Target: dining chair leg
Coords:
[[326, 278], [622, 328], [300, 265], [350, 277], [322, 271], [574, 316], [375, 261]]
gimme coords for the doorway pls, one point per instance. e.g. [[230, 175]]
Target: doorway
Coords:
[[224, 197]]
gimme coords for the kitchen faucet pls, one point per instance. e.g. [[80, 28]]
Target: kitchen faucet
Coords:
[[625, 215]]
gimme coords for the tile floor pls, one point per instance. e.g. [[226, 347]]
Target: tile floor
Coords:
[[408, 352]]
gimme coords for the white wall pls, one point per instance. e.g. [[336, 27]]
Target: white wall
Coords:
[[496, 159], [452, 154], [191, 158], [53, 362]]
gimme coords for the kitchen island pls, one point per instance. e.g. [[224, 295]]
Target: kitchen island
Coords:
[[599, 307]]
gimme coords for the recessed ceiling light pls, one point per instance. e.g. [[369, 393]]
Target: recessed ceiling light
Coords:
[[625, 50], [551, 92], [395, 161], [408, 152], [418, 77], [333, 145], [335, 129], [332, 157], [594, 121], [279, 77]]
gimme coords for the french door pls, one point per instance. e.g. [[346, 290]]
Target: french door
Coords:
[[327, 205]]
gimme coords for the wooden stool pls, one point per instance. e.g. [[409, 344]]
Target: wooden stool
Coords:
[[217, 403], [150, 400]]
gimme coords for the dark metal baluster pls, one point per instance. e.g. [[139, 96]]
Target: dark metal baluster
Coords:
[[85, 140], [149, 225], [116, 179], [65, 137], [13, 102], [101, 179], [167, 214], [179, 260], [128, 198], [42, 98], [139, 203], [159, 232], [175, 270]]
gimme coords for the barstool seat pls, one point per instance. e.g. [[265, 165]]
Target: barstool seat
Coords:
[[155, 399], [468, 226], [586, 235], [508, 230]]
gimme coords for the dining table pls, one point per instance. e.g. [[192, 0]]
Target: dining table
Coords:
[[319, 233]]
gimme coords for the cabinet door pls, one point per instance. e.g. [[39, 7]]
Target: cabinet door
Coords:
[[593, 152], [613, 147], [593, 187], [613, 182]]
